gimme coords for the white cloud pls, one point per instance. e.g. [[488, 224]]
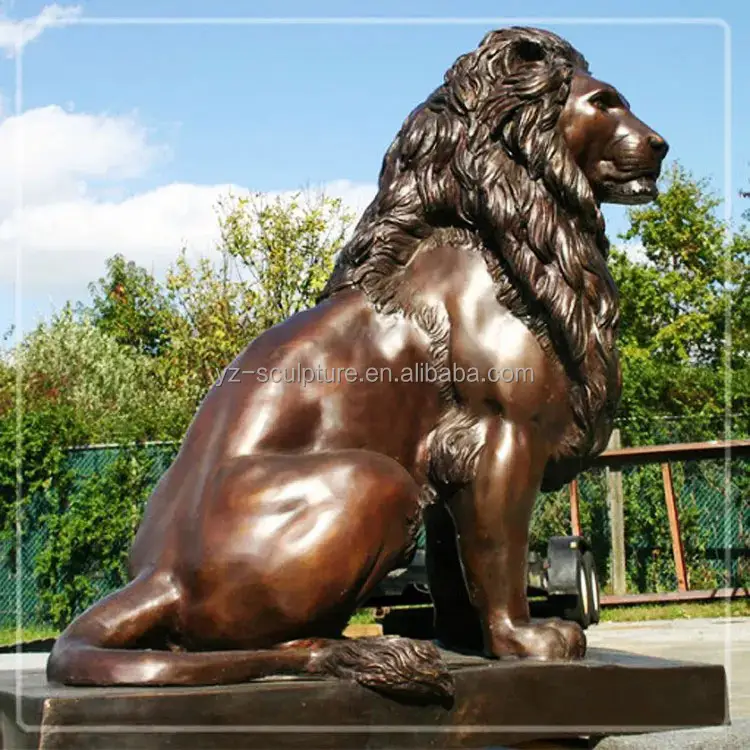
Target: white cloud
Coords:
[[356, 196], [51, 153], [15, 35], [634, 251], [68, 240], [69, 223]]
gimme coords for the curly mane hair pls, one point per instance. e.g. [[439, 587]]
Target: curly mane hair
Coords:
[[483, 155]]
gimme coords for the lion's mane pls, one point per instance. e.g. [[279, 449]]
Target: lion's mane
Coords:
[[483, 154]]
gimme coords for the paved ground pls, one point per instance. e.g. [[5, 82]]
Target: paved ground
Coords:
[[11, 662], [714, 641]]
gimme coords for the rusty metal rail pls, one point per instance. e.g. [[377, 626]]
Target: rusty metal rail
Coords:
[[616, 459], [657, 454]]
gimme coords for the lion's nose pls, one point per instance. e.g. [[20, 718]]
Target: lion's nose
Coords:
[[658, 144]]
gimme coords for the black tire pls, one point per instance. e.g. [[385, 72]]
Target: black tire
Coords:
[[593, 587], [577, 608]]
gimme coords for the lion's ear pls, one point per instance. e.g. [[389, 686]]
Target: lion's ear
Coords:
[[529, 51]]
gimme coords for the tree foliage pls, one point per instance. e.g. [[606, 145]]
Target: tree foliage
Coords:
[[272, 260], [129, 304], [683, 304], [282, 251], [85, 556], [71, 363], [68, 383]]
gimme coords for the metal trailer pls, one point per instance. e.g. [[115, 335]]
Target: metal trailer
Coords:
[[564, 583]]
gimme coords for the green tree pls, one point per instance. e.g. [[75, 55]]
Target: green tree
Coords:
[[283, 250], [272, 260], [671, 304], [68, 383], [129, 304], [674, 307], [685, 321], [87, 545], [70, 362], [211, 324]]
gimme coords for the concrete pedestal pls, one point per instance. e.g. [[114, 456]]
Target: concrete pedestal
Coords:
[[496, 704]]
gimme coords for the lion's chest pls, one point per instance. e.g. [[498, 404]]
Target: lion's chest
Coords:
[[513, 374], [497, 363]]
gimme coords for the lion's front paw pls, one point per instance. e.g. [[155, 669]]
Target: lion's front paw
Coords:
[[547, 640]]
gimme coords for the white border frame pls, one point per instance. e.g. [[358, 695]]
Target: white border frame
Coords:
[[487, 21]]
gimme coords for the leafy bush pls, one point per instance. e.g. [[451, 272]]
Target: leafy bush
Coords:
[[89, 537]]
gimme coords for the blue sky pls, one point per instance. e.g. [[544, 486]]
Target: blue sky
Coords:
[[132, 131]]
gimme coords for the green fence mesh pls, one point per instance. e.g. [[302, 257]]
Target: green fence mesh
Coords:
[[714, 508], [20, 599], [713, 500]]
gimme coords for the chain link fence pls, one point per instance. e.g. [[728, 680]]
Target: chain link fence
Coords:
[[23, 597], [713, 500], [714, 509]]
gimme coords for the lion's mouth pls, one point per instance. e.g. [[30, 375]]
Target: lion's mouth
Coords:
[[648, 174], [631, 188]]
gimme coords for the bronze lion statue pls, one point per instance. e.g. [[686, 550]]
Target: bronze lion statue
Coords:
[[484, 251]]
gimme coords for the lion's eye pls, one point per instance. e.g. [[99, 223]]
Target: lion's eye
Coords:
[[605, 101]]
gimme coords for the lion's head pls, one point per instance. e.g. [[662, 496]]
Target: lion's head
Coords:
[[519, 146]]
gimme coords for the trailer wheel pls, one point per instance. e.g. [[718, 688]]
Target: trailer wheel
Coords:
[[587, 563], [577, 607]]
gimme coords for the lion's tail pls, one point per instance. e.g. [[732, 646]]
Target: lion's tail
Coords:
[[101, 648]]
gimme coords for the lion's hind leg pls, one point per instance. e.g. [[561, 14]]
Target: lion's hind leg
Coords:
[[295, 544]]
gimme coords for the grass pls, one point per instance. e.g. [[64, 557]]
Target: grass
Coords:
[[734, 608], [9, 636], [363, 617]]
